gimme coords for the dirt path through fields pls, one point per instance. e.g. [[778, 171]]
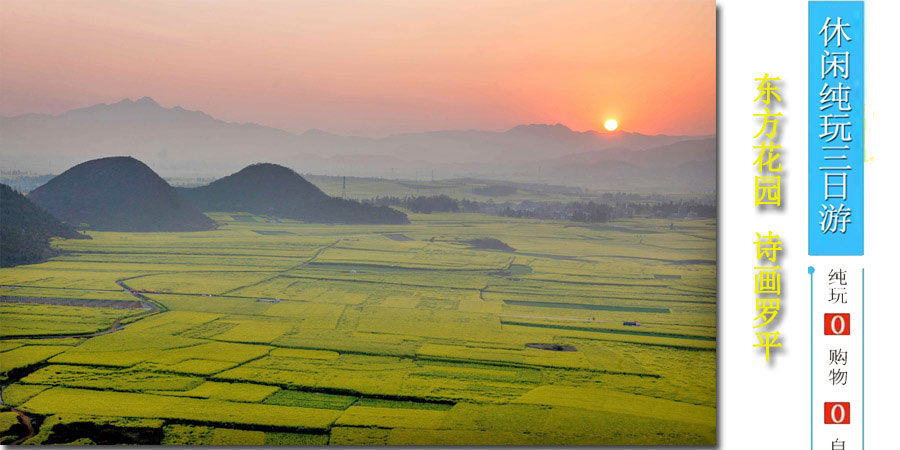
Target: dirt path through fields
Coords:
[[289, 269], [551, 318], [144, 302], [82, 302], [23, 419]]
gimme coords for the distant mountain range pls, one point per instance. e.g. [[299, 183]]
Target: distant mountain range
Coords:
[[180, 142]]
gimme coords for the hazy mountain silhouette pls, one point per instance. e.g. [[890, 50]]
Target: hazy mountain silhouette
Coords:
[[26, 229], [702, 149], [687, 164], [118, 194], [273, 190], [146, 129], [143, 129], [190, 143]]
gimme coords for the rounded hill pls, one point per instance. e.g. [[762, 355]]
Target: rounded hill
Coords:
[[273, 190], [118, 194], [26, 229]]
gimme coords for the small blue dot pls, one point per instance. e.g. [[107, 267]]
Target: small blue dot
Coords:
[[810, 270]]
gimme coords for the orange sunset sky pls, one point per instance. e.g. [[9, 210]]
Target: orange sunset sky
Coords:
[[371, 67]]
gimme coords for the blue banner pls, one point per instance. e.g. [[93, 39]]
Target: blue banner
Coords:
[[836, 128]]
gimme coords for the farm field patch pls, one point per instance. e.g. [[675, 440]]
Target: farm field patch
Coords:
[[285, 333]]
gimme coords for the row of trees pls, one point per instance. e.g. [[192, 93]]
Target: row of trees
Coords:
[[429, 204], [590, 212]]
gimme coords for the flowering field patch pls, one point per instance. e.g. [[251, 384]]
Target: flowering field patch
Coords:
[[312, 334]]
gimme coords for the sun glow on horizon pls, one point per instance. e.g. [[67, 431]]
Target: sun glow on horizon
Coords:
[[611, 125], [392, 82]]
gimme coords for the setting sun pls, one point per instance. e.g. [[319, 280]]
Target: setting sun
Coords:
[[611, 125]]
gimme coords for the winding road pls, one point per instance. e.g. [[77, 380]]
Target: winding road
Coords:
[[23, 419], [150, 309], [148, 305]]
